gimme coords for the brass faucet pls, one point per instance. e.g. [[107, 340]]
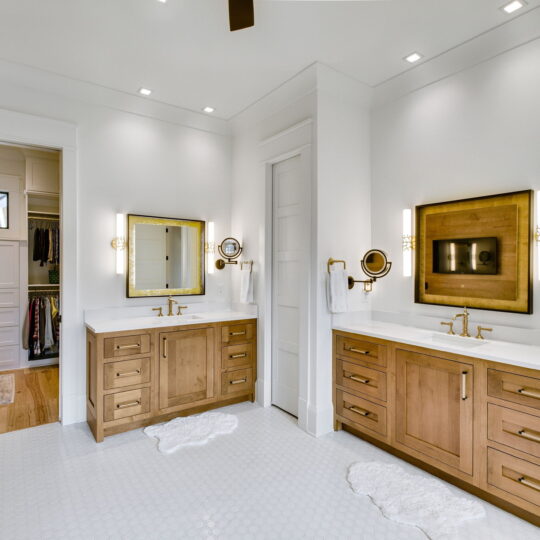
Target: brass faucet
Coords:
[[180, 308], [171, 303], [465, 329]]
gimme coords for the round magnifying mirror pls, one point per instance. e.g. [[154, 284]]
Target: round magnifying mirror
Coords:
[[230, 248], [375, 263]]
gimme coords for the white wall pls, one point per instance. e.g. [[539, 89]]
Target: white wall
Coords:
[[129, 162], [475, 133]]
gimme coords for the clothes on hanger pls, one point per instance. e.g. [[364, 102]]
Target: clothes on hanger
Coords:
[[47, 244], [41, 330]]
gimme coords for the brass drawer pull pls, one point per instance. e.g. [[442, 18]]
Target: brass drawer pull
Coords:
[[123, 347], [359, 351], [530, 392], [529, 483], [128, 373], [238, 381], [128, 404], [237, 333], [165, 347], [358, 379], [464, 385], [358, 410], [526, 435], [242, 355]]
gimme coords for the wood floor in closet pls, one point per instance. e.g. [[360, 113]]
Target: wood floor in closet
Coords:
[[36, 399]]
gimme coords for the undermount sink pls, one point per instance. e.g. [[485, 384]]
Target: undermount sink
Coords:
[[174, 319], [458, 341]]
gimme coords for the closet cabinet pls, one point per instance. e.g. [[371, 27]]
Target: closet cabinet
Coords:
[[473, 422], [42, 175], [141, 377]]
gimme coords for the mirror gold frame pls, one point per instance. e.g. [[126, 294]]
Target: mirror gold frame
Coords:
[[199, 226]]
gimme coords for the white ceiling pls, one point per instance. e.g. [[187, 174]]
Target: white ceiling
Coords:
[[184, 52]]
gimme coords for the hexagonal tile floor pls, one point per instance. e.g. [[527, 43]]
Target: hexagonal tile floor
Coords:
[[267, 480]]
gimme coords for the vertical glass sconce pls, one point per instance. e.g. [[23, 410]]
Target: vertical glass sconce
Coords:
[[119, 243], [407, 242], [210, 247], [537, 233]]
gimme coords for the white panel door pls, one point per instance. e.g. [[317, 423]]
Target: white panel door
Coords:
[[289, 280]]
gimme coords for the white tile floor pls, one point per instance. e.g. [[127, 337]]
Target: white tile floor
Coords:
[[266, 480]]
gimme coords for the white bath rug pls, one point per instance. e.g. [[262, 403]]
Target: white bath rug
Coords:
[[7, 389], [411, 499], [191, 430]]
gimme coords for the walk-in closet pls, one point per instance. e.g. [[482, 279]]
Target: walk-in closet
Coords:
[[30, 286]]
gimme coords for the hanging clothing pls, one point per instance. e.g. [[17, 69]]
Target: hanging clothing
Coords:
[[42, 327], [47, 244]]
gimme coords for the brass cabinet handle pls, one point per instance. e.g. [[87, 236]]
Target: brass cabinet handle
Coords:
[[526, 435], [357, 379], [533, 484], [464, 385], [238, 381], [128, 373], [242, 355], [165, 347], [122, 347], [359, 351], [530, 392], [128, 404], [358, 410], [237, 333]]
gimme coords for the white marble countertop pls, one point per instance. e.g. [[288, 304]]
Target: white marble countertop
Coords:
[[100, 326], [527, 356]]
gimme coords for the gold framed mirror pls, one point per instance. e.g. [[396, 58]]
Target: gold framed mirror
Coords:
[[165, 257]]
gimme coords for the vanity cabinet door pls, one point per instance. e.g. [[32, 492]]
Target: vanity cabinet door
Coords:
[[434, 408], [186, 367]]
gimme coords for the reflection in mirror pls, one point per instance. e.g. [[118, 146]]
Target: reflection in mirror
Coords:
[[165, 257], [375, 263], [230, 248], [4, 210]]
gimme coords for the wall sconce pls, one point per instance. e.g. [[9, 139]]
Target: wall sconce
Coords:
[[119, 243], [229, 249], [210, 247], [408, 242], [537, 233]]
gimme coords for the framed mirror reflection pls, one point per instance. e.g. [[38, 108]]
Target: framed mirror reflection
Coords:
[[165, 256], [4, 210]]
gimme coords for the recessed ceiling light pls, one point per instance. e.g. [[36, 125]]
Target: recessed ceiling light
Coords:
[[413, 57], [209, 109], [162, 1], [513, 6], [145, 91]]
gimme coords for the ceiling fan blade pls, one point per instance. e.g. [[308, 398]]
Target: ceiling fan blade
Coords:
[[241, 14]]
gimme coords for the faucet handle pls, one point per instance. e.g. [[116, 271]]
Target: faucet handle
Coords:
[[450, 327], [482, 329], [159, 310], [180, 308]]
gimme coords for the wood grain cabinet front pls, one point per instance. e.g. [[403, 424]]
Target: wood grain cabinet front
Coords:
[[138, 378]]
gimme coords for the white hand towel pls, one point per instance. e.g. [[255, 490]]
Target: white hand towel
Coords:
[[337, 289], [246, 284]]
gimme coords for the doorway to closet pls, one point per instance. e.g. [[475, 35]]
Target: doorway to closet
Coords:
[[30, 289], [290, 286]]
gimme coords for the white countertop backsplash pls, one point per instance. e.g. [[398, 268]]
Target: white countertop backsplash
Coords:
[[133, 318], [421, 331]]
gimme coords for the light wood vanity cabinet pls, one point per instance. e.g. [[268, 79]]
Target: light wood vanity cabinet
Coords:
[[143, 377], [474, 423]]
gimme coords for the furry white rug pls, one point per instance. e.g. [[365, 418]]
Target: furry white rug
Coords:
[[191, 430], [411, 499], [7, 389]]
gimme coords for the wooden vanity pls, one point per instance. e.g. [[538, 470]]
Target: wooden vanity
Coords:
[[141, 377], [473, 422]]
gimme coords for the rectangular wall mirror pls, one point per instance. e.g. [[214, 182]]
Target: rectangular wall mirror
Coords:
[[4, 210], [476, 253], [166, 256]]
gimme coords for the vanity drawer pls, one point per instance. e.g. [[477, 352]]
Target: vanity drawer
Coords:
[[515, 388], [126, 345], [363, 414], [124, 404], [361, 379], [515, 429], [236, 356], [126, 373], [359, 349], [515, 476], [237, 333], [236, 382]]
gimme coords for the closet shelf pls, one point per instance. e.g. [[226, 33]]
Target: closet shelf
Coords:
[[43, 285]]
